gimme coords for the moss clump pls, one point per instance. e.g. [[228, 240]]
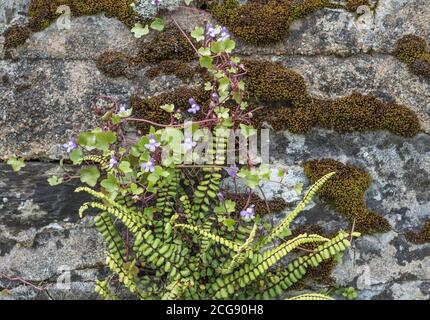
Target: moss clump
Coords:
[[114, 64], [176, 67], [43, 12], [413, 51], [421, 67], [352, 5], [423, 236], [267, 23], [168, 49], [365, 112], [271, 81], [150, 108], [345, 192], [275, 205], [356, 112], [409, 48], [167, 45], [16, 36]]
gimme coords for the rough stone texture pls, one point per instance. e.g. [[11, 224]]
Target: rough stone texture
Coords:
[[47, 93]]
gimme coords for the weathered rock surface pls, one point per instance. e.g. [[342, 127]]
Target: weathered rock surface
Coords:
[[47, 95]]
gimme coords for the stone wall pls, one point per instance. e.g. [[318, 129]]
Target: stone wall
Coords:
[[47, 92]]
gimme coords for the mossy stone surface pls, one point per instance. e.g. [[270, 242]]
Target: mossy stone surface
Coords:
[[263, 24], [420, 237], [292, 108], [413, 50], [345, 192], [16, 36], [113, 64]]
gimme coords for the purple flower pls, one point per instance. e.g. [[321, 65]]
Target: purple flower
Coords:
[[156, 2], [194, 106], [215, 96], [211, 31], [122, 108], [148, 166], [153, 144], [224, 35], [113, 162], [232, 171], [189, 144], [248, 213], [69, 146], [221, 197]]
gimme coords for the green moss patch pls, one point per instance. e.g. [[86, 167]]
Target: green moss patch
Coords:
[[16, 36], [420, 237], [345, 192], [272, 82], [149, 108], [413, 51], [296, 111], [168, 49], [114, 64], [263, 24], [169, 44], [176, 67], [276, 205], [43, 12]]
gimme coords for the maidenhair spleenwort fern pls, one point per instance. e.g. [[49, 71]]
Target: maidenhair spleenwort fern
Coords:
[[170, 231], [163, 256]]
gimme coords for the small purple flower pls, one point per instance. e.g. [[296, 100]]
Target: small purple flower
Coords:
[[232, 171], [221, 197], [224, 35], [156, 2], [194, 106], [69, 146], [189, 144], [215, 96], [248, 213], [148, 166], [122, 108], [113, 162], [153, 144], [211, 31]]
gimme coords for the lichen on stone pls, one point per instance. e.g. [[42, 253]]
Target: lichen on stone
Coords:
[[147, 10], [353, 5], [420, 237], [413, 51], [345, 192]]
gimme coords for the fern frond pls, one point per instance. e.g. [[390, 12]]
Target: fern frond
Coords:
[[176, 289], [102, 288], [284, 225], [241, 255], [298, 268], [229, 244], [114, 242], [260, 264], [311, 296]]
